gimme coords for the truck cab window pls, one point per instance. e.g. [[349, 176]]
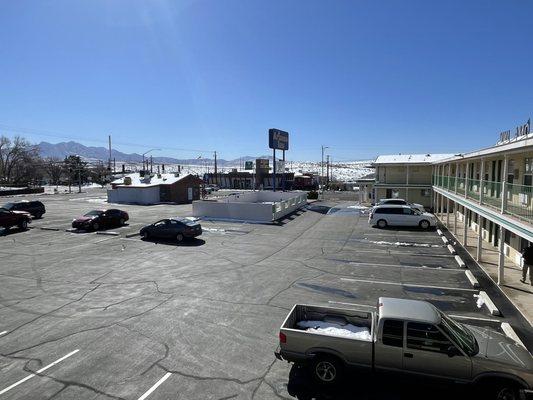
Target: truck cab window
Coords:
[[393, 333], [426, 337]]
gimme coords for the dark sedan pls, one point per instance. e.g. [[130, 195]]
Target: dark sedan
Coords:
[[97, 219], [172, 228]]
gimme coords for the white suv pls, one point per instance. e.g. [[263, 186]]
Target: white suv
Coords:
[[402, 202], [395, 215]]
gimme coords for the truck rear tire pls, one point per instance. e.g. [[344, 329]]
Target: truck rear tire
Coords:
[[327, 370]]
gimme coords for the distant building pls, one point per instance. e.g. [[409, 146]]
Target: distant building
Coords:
[[406, 176], [365, 188], [231, 180], [247, 180], [306, 181], [153, 189]]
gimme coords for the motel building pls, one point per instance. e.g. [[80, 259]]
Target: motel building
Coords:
[[405, 176], [485, 199]]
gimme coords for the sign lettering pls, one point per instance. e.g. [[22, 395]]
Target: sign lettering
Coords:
[[278, 140]]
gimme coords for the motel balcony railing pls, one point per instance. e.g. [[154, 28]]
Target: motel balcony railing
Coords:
[[512, 199]]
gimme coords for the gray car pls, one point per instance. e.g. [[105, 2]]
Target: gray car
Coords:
[[172, 228], [406, 337]]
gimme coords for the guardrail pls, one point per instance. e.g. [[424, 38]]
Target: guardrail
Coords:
[[512, 199]]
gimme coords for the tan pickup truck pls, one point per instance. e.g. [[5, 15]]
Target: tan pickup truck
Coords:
[[408, 337]]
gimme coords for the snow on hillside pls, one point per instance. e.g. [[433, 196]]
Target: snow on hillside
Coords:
[[342, 171]]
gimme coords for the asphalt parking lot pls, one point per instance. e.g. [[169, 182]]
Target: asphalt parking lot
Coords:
[[108, 315]]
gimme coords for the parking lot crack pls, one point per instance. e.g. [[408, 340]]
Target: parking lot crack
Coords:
[[53, 311], [80, 385]]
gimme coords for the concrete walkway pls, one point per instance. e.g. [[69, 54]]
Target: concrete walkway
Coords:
[[520, 294]]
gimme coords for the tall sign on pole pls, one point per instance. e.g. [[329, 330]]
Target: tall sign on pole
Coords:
[[278, 140]]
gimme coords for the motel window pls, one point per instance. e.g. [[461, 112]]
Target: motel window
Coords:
[[528, 172], [529, 165]]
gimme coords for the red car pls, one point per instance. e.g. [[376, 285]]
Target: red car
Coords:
[[97, 219], [14, 218]]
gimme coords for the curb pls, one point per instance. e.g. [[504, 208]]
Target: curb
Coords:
[[129, 235], [473, 281], [451, 249], [444, 239], [107, 233], [509, 332], [490, 305], [460, 262]]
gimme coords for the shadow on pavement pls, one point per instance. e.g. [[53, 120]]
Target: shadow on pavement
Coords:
[[318, 208], [11, 231], [172, 242], [371, 387]]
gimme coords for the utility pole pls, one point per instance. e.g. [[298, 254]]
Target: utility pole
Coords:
[[151, 164], [327, 170], [216, 169], [321, 180], [109, 164]]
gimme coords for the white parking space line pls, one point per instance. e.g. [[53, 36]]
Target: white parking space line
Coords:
[[159, 382], [3, 333], [38, 372], [408, 284]]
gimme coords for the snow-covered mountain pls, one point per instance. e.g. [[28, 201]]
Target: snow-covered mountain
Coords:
[[341, 171], [64, 149]]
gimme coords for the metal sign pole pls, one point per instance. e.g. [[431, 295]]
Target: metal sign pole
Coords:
[[283, 173], [274, 172]]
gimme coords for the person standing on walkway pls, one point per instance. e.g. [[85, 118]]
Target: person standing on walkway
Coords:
[[527, 256]]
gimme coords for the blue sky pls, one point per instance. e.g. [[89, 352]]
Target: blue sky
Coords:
[[363, 77]]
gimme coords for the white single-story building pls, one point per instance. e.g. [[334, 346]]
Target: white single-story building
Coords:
[[153, 189]]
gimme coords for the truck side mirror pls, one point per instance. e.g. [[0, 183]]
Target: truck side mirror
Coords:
[[452, 351]]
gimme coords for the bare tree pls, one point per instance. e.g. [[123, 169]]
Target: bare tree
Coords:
[[54, 168], [19, 161]]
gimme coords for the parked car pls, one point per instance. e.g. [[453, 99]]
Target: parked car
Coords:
[[10, 218], [34, 207], [409, 338], [394, 215], [401, 202], [97, 219], [172, 228]]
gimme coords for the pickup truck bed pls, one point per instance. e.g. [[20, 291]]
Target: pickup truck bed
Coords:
[[300, 345]]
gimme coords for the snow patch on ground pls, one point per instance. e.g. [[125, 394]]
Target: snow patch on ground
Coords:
[[405, 244], [331, 329], [480, 302]]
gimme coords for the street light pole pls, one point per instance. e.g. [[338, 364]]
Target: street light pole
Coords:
[[147, 153]]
